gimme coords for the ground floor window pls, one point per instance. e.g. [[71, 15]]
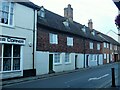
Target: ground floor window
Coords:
[[57, 58], [67, 57], [9, 57]]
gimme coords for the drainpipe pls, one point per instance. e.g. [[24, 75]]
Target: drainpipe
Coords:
[[34, 40], [84, 51]]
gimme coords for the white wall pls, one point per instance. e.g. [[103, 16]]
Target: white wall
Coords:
[[23, 28], [42, 62], [80, 61]]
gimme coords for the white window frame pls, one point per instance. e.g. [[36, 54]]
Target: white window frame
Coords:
[[56, 63], [84, 29], [9, 13], [42, 12], [105, 56], [93, 33], [98, 46], [69, 41], [11, 57], [110, 46], [105, 44], [91, 45], [53, 38], [68, 61], [66, 23]]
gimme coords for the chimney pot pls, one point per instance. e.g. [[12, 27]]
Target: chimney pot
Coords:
[[90, 24], [68, 13]]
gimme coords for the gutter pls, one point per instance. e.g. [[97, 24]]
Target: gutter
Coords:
[[84, 51], [34, 40]]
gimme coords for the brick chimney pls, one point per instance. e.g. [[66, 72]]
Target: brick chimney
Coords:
[[68, 12], [90, 24]]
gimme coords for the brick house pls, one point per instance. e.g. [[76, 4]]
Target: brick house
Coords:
[[63, 44]]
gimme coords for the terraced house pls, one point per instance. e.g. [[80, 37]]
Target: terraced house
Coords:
[[17, 23], [63, 44], [36, 41]]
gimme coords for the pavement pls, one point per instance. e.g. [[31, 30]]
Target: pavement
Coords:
[[19, 80]]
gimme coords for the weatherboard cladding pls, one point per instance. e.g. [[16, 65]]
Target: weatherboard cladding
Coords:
[[55, 21]]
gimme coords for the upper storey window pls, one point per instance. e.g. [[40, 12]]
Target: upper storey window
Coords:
[[6, 12], [84, 29], [66, 23], [42, 12]]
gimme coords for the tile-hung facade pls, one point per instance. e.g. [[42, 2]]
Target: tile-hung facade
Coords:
[[16, 38], [63, 44]]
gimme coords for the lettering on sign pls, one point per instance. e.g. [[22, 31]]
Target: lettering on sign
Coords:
[[9, 40]]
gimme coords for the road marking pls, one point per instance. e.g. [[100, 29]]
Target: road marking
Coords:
[[95, 78]]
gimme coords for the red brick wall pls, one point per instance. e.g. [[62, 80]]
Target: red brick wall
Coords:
[[44, 45], [92, 51], [78, 43]]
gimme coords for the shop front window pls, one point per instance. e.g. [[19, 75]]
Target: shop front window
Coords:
[[11, 57], [16, 57], [7, 57]]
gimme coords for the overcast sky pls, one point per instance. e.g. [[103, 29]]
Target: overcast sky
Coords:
[[102, 12]]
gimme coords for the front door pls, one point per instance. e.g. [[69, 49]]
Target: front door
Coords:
[[87, 60], [50, 63], [97, 59], [76, 57]]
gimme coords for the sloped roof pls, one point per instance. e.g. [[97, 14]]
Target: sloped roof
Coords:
[[111, 40], [30, 5], [55, 21]]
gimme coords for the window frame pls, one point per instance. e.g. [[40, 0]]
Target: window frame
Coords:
[[9, 15], [11, 59], [68, 58], [57, 63], [98, 46], [70, 41], [105, 56], [91, 45], [110, 46], [53, 38]]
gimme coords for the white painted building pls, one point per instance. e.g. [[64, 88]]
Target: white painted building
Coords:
[[17, 22]]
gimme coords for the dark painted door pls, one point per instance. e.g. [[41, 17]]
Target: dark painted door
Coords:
[[97, 59], [87, 60], [76, 57], [50, 63]]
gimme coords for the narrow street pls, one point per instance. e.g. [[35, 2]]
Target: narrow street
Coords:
[[96, 77]]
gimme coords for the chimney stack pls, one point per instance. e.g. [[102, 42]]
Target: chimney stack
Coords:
[[68, 12], [90, 24]]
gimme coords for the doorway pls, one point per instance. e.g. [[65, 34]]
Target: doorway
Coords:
[[97, 59], [87, 60], [76, 61], [51, 63]]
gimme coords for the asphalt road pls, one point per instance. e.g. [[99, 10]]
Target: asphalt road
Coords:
[[96, 77]]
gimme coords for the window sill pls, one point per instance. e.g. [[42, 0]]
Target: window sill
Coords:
[[67, 63], [10, 71], [8, 26], [57, 64], [70, 45], [53, 43]]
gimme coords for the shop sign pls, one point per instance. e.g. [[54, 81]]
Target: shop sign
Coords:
[[9, 40]]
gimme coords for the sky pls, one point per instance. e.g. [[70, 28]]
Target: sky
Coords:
[[102, 12]]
